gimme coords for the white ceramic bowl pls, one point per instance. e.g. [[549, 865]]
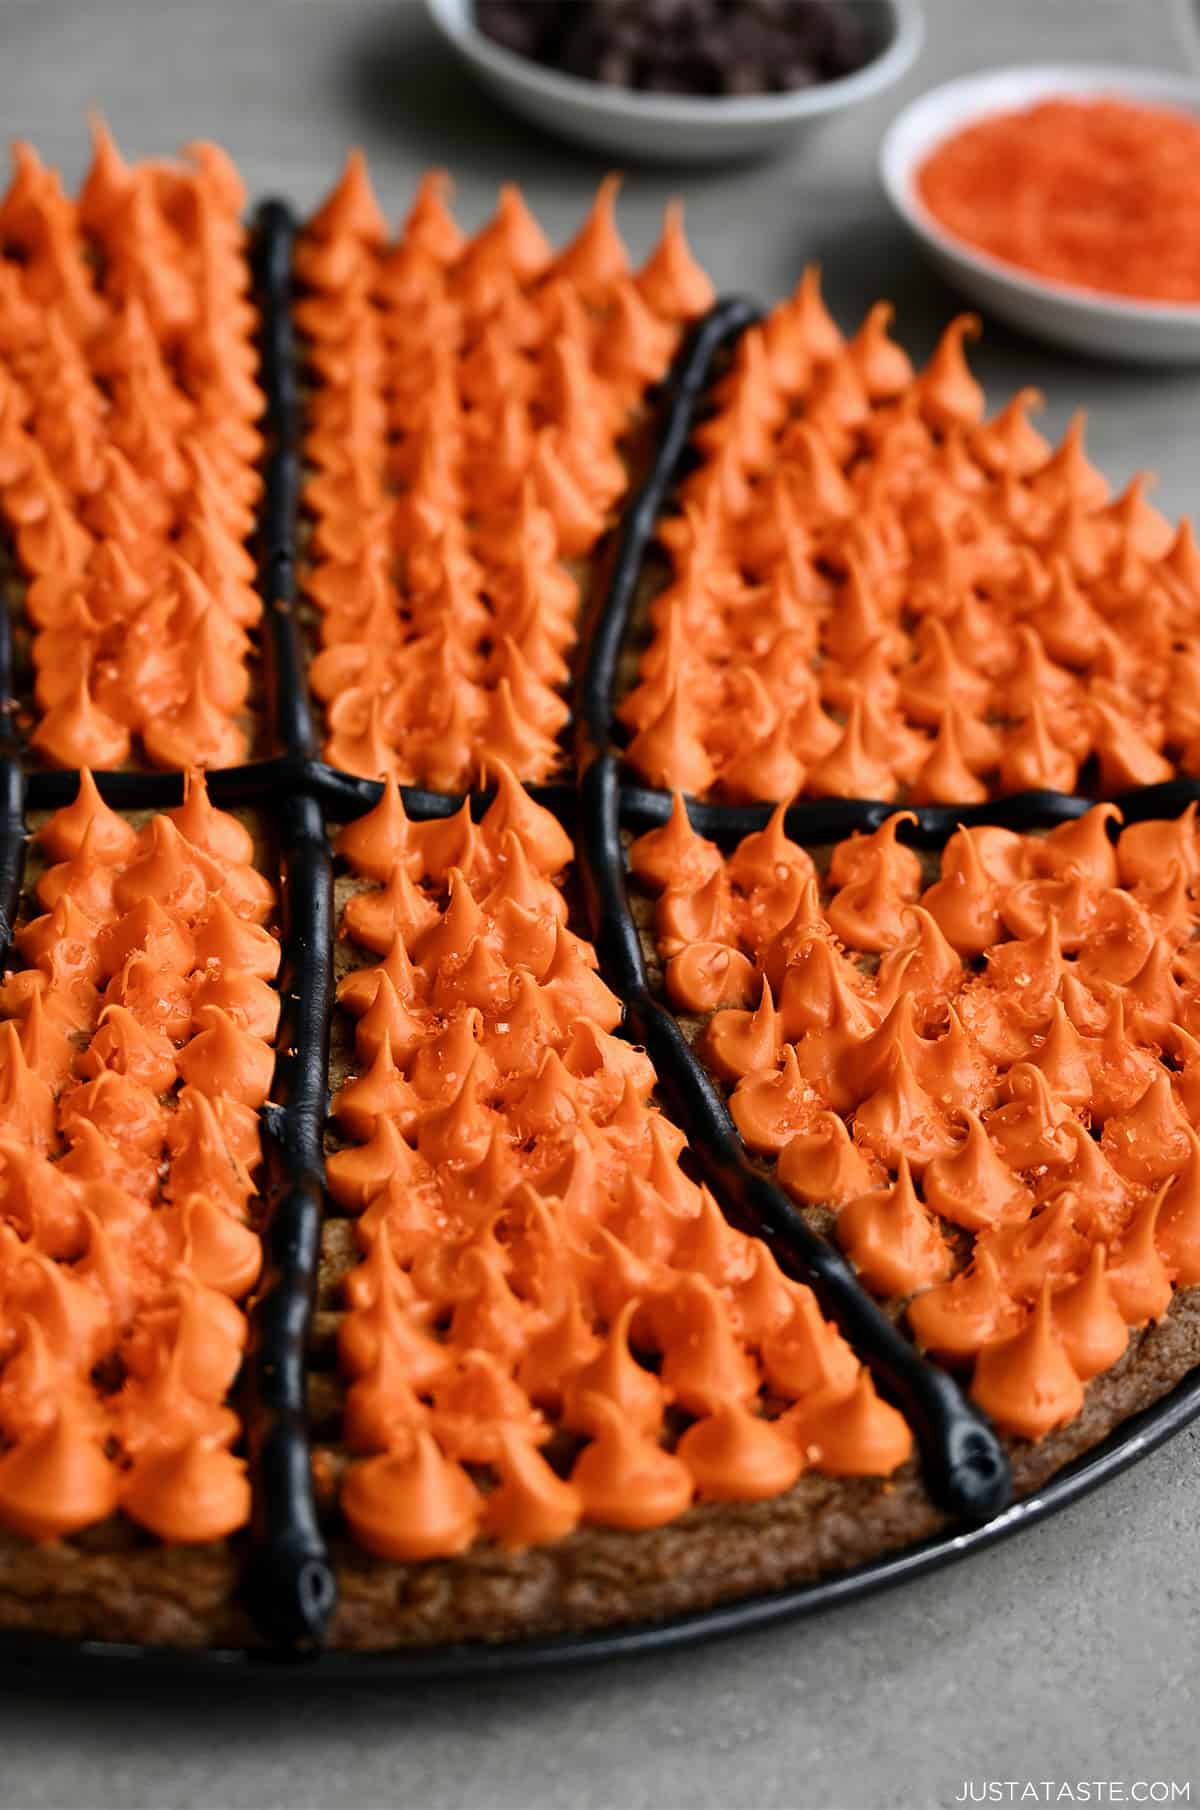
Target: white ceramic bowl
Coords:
[[678, 128], [1084, 319]]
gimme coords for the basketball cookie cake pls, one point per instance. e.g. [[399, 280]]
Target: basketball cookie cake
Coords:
[[369, 1276]]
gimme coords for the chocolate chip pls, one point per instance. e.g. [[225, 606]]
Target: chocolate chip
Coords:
[[793, 75], [615, 67], [744, 78], [683, 46]]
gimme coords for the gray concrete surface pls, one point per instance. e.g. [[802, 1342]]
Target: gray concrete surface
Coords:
[[1066, 1656]]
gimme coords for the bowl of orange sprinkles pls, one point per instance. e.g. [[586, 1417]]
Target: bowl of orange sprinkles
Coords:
[[1063, 200]]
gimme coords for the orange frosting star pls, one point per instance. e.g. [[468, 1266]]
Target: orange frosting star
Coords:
[[860, 1436], [411, 1504], [56, 1482], [1027, 1382], [624, 1479], [194, 1494], [532, 1506], [891, 1241]]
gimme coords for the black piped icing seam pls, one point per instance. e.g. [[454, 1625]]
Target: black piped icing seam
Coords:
[[965, 1467], [289, 1582], [290, 1586]]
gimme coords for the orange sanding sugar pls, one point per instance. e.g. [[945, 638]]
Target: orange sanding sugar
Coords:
[[1100, 194]]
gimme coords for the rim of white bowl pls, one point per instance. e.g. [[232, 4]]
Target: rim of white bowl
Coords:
[[919, 128], [453, 19]]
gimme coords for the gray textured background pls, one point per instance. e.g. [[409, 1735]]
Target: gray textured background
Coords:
[[1068, 1654]]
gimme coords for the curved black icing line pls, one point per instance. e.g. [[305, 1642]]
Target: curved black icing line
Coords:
[[603, 628], [965, 1467], [26, 1658]]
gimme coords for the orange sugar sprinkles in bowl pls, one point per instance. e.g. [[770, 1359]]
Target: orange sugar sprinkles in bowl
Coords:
[[1101, 194]]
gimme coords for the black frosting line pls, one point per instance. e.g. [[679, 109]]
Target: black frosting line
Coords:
[[12, 843], [50, 788], [961, 1457], [604, 627], [830, 819], [965, 1467], [346, 795], [283, 654], [290, 1583]]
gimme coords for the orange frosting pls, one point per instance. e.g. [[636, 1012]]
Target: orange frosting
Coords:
[[194, 1493], [957, 1319], [625, 1480], [532, 1505], [856, 538], [890, 1241], [533, 1256], [56, 1481], [132, 1245], [983, 1127], [132, 464], [450, 501], [1027, 1383], [1087, 1320], [734, 1456], [411, 1503], [860, 1436]]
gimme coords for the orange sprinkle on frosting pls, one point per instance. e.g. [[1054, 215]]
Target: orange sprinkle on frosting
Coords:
[[984, 1066], [129, 1145], [129, 454], [875, 589]]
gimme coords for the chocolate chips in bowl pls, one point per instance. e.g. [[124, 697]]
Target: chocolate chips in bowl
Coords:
[[692, 47], [684, 81]]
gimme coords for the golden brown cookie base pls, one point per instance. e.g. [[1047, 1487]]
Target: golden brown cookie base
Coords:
[[110, 1586], [105, 1587], [115, 1584], [602, 1577]]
